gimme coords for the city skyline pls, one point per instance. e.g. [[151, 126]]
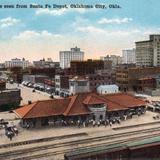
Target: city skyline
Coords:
[[38, 33]]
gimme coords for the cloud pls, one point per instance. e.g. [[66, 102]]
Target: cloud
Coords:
[[95, 30], [58, 12], [91, 29], [114, 20], [7, 22], [30, 34]]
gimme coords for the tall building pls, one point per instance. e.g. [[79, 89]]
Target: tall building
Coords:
[[78, 85], [45, 63], [128, 56], [86, 67], [116, 60], [75, 54], [136, 78], [16, 62], [148, 52]]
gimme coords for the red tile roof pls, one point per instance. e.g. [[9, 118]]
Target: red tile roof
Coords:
[[77, 105], [125, 100], [44, 108], [93, 99]]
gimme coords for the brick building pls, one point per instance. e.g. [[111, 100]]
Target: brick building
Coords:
[[96, 80], [86, 67], [62, 84], [50, 72], [9, 99], [2, 85], [34, 78], [137, 78]]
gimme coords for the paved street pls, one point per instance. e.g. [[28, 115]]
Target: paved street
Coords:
[[28, 95]]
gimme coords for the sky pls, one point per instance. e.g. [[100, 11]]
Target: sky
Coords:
[[36, 33]]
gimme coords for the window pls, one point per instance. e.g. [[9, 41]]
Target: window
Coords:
[[101, 117]]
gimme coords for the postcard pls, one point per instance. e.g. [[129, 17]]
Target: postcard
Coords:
[[79, 79]]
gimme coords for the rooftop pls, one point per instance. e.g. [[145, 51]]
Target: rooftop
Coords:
[[77, 105], [107, 86]]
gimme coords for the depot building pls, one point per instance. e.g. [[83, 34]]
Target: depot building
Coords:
[[84, 106]]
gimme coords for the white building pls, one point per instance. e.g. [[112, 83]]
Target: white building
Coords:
[[78, 85], [75, 54], [45, 63], [107, 89], [128, 56], [148, 52], [16, 62], [116, 60]]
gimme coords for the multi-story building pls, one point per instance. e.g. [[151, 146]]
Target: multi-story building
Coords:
[[2, 85], [10, 99], [34, 78], [45, 63], [116, 60], [2, 66], [128, 56], [16, 62], [75, 54], [96, 80], [62, 85], [86, 67], [50, 72], [136, 78], [78, 85], [148, 52]]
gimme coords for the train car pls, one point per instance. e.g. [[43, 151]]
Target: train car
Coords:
[[114, 151], [147, 148]]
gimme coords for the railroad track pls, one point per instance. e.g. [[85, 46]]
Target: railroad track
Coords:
[[64, 151], [42, 140], [35, 152]]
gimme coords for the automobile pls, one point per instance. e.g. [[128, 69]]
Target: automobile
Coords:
[[26, 83], [35, 85], [30, 85], [42, 88], [51, 96], [11, 81], [23, 83]]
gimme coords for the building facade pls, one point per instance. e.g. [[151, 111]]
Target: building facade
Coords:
[[107, 89], [86, 67], [2, 85], [62, 85], [75, 54], [137, 78], [148, 52], [34, 78], [80, 107], [128, 56], [9, 99], [45, 63], [78, 85], [16, 62], [116, 60]]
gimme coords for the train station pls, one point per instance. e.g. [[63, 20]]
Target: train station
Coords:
[[81, 108]]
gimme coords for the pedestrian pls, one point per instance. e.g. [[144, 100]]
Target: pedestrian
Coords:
[[98, 123], [94, 123], [105, 123], [110, 123], [84, 124], [78, 123]]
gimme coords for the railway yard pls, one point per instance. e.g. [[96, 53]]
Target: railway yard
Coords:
[[53, 143]]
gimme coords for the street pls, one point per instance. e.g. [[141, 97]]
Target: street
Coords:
[[27, 94]]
